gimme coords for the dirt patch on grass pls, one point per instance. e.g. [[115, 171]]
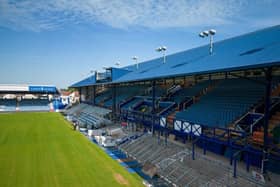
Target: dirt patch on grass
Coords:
[[120, 179]]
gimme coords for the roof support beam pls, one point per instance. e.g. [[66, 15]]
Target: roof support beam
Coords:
[[247, 78]]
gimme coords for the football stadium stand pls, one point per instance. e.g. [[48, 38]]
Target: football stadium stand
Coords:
[[26, 98], [8, 105], [88, 116], [229, 100], [226, 102]]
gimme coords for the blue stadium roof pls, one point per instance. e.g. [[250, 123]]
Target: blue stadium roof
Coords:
[[115, 73], [85, 82], [253, 50], [118, 72], [24, 88]]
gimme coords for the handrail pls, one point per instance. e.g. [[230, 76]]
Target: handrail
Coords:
[[240, 119], [187, 102], [126, 101], [251, 127], [172, 87], [166, 109], [274, 105]]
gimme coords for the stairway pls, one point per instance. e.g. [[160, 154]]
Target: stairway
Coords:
[[170, 118], [257, 137]]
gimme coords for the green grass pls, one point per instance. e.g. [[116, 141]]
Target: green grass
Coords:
[[41, 149]]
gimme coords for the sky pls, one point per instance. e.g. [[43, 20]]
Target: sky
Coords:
[[59, 42]]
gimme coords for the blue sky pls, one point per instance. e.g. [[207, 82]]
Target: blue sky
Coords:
[[59, 41]]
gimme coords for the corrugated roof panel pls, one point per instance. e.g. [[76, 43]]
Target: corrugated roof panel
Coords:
[[252, 50], [260, 48], [118, 72]]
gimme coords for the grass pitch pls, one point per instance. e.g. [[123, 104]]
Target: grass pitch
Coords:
[[41, 149]]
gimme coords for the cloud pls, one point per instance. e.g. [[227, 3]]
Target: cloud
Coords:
[[39, 15]]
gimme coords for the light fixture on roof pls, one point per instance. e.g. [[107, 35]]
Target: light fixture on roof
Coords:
[[205, 33], [163, 50], [210, 33], [135, 58], [201, 35], [118, 63], [91, 73]]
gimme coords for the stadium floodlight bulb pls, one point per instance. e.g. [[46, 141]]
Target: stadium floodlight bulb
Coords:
[[205, 33], [159, 49], [212, 31], [201, 35], [134, 58], [117, 63], [163, 48]]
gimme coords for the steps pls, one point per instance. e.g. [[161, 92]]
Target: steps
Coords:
[[170, 118], [274, 121]]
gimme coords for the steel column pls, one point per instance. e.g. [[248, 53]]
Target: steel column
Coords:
[[166, 137], [231, 154], [153, 103], [158, 136], [193, 151], [266, 115], [204, 147], [234, 168], [94, 94], [87, 93], [248, 162], [114, 94], [80, 94]]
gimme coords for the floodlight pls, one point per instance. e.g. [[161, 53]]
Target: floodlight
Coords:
[[135, 58], [159, 49], [205, 33], [162, 49], [201, 35], [212, 31]]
